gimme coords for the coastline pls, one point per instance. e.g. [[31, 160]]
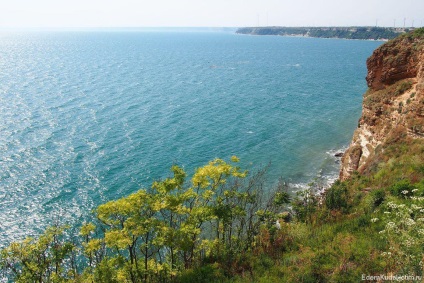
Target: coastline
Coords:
[[307, 36], [325, 175], [373, 33]]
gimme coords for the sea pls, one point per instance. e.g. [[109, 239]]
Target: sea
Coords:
[[88, 116]]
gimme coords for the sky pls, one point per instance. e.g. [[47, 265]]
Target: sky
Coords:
[[209, 13]]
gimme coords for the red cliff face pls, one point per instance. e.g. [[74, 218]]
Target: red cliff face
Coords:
[[394, 61], [393, 107]]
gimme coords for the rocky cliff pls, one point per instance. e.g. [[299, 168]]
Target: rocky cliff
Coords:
[[393, 106]]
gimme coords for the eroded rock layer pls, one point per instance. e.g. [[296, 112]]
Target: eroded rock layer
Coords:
[[393, 106]]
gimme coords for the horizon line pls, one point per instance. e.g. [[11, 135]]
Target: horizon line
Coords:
[[185, 27]]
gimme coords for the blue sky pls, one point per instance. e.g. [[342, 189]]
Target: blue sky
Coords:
[[209, 13]]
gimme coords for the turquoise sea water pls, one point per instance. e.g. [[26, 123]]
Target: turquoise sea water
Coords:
[[86, 117]]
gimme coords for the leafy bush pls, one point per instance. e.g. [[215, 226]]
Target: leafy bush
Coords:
[[204, 274], [378, 197], [336, 196], [402, 188], [305, 204]]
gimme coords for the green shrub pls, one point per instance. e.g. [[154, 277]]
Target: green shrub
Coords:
[[402, 188], [336, 196], [378, 197], [362, 221], [403, 87], [419, 187], [418, 33], [204, 274]]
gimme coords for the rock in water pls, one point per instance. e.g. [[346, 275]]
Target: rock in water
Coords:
[[338, 154]]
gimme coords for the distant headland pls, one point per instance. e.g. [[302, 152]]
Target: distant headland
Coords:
[[367, 33]]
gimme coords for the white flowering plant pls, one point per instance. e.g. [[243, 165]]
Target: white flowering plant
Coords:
[[404, 233]]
